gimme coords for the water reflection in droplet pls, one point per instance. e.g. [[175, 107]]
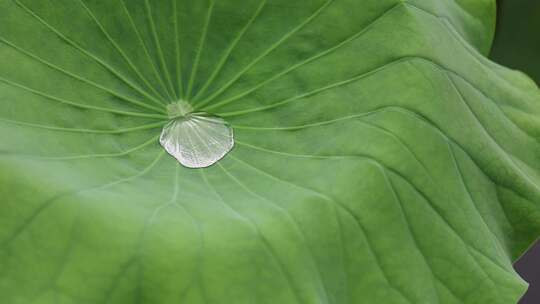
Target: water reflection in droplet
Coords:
[[196, 140]]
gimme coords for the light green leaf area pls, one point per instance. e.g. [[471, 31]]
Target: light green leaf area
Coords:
[[379, 157]]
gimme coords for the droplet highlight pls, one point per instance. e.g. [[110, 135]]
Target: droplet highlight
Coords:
[[196, 140]]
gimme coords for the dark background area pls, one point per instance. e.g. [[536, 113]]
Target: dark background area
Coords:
[[517, 39], [529, 269], [517, 45]]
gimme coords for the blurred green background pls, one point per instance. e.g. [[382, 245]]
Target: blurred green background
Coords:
[[517, 40]]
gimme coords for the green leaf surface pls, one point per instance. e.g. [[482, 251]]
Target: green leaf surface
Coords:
[[379, 156]]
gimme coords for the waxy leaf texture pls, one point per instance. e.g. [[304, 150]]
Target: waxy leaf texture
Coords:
[[378, 156]]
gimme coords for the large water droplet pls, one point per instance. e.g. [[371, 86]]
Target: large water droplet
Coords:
[[196, 140]]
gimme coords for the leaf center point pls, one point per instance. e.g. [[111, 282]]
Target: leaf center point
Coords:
[[177, 109]]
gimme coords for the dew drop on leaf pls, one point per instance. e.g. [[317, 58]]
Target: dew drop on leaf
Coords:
[[196, 140]]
